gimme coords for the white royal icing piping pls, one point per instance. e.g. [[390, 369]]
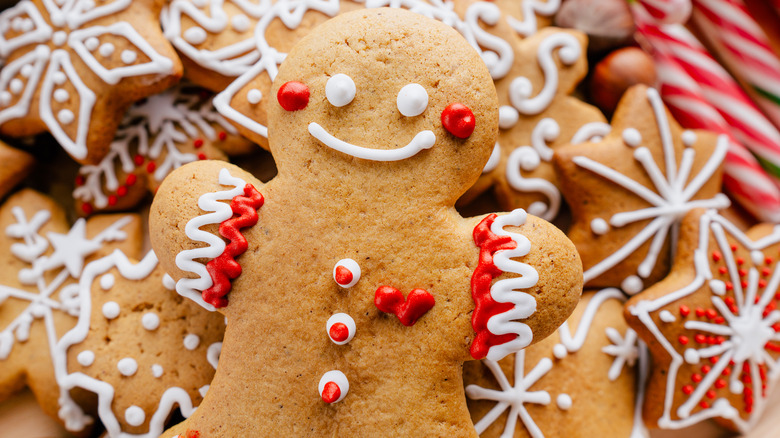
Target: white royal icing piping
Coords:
[[423, 140]]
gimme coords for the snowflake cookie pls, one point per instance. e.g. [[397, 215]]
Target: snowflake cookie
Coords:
[[629, 191], [100, 339], [712, 325], [549, 389], [157, 135], [353, 288], [73, 67]]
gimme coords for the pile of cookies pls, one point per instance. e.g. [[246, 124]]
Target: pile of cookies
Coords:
[[380, 217]]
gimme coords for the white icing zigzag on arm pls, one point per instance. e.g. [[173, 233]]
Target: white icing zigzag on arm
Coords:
[[218, 213]]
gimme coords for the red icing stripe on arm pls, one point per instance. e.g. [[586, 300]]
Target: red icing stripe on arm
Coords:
[[481, 281], [225, 268]]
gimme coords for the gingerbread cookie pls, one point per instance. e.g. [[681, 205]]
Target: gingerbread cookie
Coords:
[[157, 135], [628, 192], [93, 334], [73, 68], [351, 285], [580, 381], [712, 325], [15, 165]]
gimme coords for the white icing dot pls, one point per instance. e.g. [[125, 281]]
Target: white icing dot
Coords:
[[59, 38], [691, 356], [599, 226], [340, 90], [347, 321], [507, 117], [135, 416], [195, 35], [26, 71], [16, 24], [61, 95], [86, 358], [150, 321], [111, 310], [16, 86], [5, 98], [203, 390], [106, 49], [157, 370], [718, 287], [666, 316], [412, 100], [107, 281], [240, 23], [168, 282], [128, 56], [736, 387], [37, 310], [92, 44], [688, 138], [559, 351], [27, 25], [65, 116], [352, 269], [59, 78], [757, 257], [632, 137], [564, 402], [632, 285], [254, 96], [339, 379], [191, 341], [127, 366]]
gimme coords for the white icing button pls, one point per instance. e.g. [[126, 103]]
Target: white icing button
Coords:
[[135, 416], [718, 287], [507, 117], [346, 273], [667, 316], [340, 90], [128, 56], [191, 341], [107, 281], [111, 310], [195, 35], [92, 44], [560, 351], [632, 137], [240, 23], [599, 226], [632, 285], [86, 358], [412, 100], [337, 324], [254, 96], [168, 282], [16, 86], [59, 38], [564, 402], [203, 390], [157, 370], [5, 98], [736, 387], [127, 366], [65, 116], [757, 257], [150, 321], [688, 138], [61, 95], [106, 49], [26, 71], [339, 379], [59, 78], [691, 356]]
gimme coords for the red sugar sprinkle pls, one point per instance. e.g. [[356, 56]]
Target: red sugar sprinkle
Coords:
[[714, 359], [331, 392], [723, 270], [720, 383], [112, 200], [198, 143], [765, 272], [733, 248], [706, 369], [719, 340], [711, 313], [719, 320], [711, 394], [696, 377], [742, 272], [762, 283], [726, 371], [729, 286], [222, 135], [80, 180], [687, 389], [339, 332], [138, 159], [768, 260], [740, 261], [685, 311], [699, 312], [744, 284], [87, 208], [201, 156], [683, 339], [716, 256], [131, 179], [151, 167], [700, 338], [121, 191], [704, 404], [729, 301]]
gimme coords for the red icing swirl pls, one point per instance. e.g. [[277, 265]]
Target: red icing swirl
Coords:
[[481, 281], [225, 268]]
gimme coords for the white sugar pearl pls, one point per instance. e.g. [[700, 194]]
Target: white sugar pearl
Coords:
[[412, 100], [135, 416], [150, 321], [191, 341], [127, 366], [107, 281], [111, 310], [86, 358], [340, 90], [254, 96]]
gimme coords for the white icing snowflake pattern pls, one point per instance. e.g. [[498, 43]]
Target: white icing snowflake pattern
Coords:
[[163, 123], [24, 27]]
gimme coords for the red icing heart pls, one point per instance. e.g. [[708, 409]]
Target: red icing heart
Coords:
[[390, 300]]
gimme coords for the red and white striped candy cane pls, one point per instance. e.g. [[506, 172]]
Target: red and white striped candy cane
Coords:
[[743, 177]]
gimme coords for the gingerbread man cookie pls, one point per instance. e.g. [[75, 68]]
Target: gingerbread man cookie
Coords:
[[72, 69], [353, 289], [712, 325], [92, 333]]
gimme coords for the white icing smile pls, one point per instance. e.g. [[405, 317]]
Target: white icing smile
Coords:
[[423, 140]]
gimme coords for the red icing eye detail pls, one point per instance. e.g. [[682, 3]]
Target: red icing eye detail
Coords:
[[293, 96], [458, 120]]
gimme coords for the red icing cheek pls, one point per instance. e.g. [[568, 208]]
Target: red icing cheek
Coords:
[[293, 96], [458, 120]]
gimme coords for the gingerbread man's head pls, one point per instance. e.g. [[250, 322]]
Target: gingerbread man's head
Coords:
[[344, 100]]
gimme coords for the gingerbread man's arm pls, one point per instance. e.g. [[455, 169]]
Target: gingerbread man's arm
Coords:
[[195, 207], [527, 281]]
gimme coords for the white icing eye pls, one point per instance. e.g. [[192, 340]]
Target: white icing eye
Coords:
[[341, 328], [333, 386], [412, 100], [340, 90], [346, 273]]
